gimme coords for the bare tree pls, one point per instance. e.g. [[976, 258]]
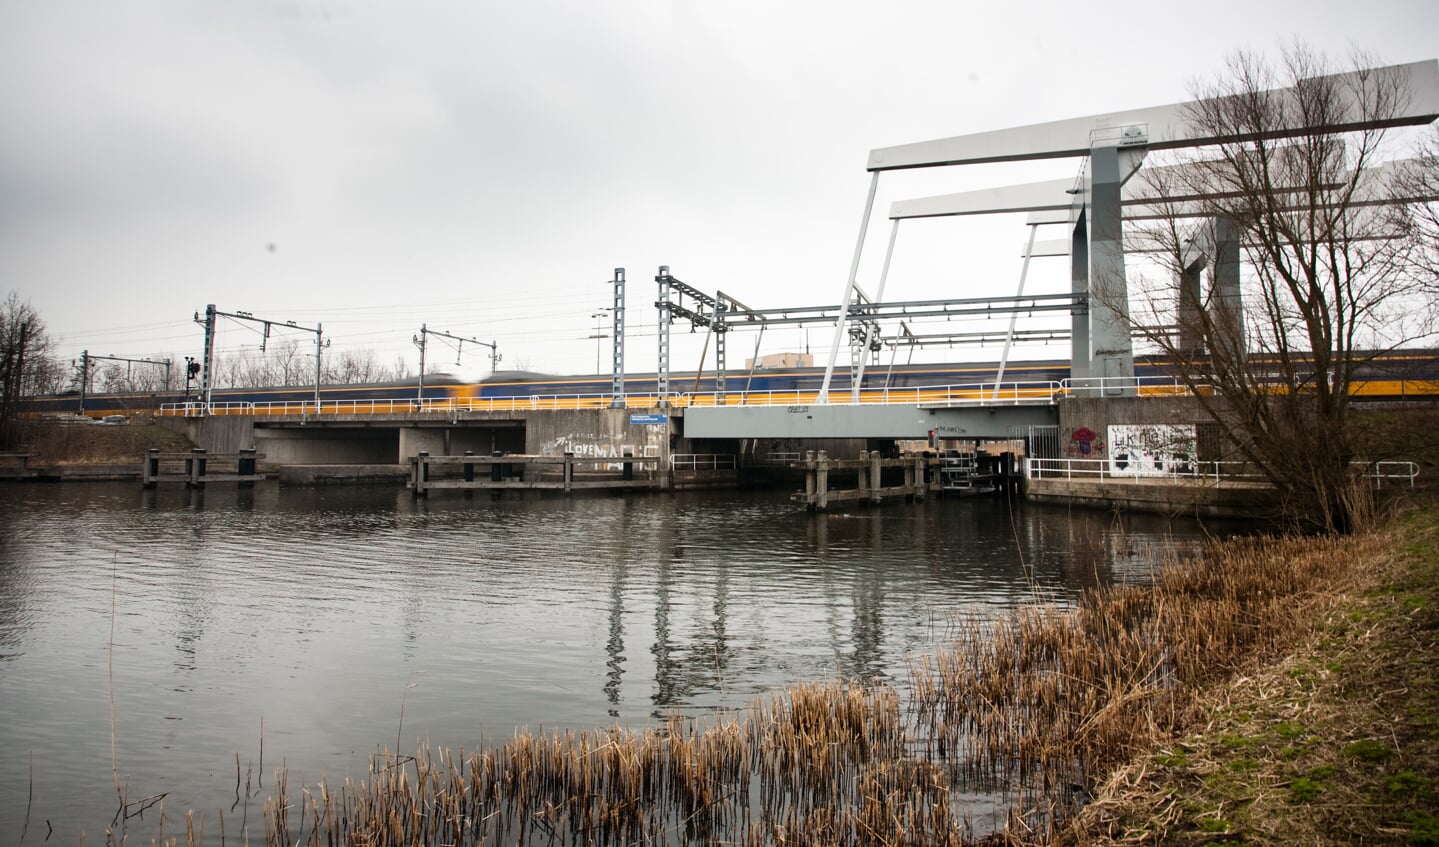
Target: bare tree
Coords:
[[26, 364], [1419, 179], [350, 367], [288, 362], [1329, 279]]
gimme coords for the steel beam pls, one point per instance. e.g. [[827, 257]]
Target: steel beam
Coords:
[[1167, 125]]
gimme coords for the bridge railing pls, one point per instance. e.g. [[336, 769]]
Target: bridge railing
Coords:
[[1112, 386], [1066, 468], [974, 393], [963, 394], [978, 393], [702, 461]]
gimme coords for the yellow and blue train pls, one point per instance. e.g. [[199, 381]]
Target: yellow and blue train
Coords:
[[1411, 374]]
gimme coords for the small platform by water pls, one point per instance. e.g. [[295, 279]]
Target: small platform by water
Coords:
[[506, 471]]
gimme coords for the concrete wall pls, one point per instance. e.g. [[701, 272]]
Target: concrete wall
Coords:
[[1097, 414], [594, 432], [414, 441], [216, 433], [327, 446], [372, 439]]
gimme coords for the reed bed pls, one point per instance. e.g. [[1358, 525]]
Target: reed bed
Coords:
[[1036, 707]]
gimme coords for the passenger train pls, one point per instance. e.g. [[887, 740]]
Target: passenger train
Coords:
[[1399, 375]]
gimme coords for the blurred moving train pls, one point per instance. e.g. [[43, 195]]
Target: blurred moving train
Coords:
[[1409, 374]]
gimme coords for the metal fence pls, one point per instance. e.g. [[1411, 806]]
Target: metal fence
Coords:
[[1063, 468]]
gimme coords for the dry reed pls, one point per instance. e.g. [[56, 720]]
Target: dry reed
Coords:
[[1036, 707]]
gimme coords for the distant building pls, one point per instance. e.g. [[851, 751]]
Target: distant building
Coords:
[[783, 360]]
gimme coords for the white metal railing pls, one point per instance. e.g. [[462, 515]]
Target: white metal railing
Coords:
[[1112, 386], [964, 394], [1215, 471], [782, 457], [701, 461], [974, 393], [1394, 470]]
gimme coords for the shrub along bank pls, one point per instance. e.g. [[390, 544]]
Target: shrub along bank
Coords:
[[1334, 741]]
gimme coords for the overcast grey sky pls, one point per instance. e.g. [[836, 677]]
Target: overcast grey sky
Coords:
[[483, 167]]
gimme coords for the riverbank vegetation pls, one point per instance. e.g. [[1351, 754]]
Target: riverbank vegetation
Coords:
[[1335, 741], [53, 444], [1272, 691]]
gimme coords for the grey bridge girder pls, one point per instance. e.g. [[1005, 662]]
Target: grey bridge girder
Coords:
[[1097, 209], [1167, 128], [891, 421]]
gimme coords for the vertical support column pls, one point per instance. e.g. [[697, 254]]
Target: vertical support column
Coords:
[[469, 467], [497, 469], [720, 332], [629, 467], [319, 346], [662, 374], [1080, 355], [821, 480], [1109, 289], [421, 342], [84, 377], [1228, 320], [1187, 311], [809, 479], [617, 372], [875, 476], [569, 472], [862, 484], [857, 353], [207, 372]]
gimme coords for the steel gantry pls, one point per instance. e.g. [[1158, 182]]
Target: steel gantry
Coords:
[[87, 359], [207, 373], [422, 341], [669, 309], [722, 313]]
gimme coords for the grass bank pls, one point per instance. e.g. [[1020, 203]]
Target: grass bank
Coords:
[[1333, 740], [1272, 691], [53, 444]]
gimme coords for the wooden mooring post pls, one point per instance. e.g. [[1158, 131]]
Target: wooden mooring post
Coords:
[[197, 468], [425, 473], [869, 487]]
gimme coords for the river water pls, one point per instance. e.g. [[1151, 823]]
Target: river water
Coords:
[[315, 627]]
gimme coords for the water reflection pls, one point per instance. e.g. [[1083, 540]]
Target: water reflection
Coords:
[[325, 612]]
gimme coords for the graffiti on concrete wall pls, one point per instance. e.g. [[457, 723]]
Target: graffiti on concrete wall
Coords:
[[592, 445], [1151, 449], [1081, 442]]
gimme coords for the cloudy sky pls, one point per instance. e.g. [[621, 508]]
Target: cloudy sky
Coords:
[[483, 167]]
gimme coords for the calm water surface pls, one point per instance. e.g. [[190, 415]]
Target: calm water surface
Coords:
[[327, 624]]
